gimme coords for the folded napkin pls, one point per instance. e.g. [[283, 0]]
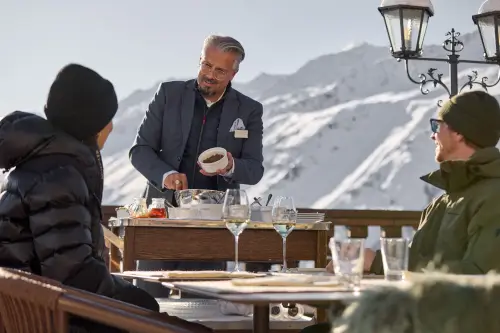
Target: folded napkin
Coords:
[[291, 280], [308, 270], [209, 274], [193, 274], [145, 273]]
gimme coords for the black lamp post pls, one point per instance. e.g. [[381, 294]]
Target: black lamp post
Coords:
[[406, 23]]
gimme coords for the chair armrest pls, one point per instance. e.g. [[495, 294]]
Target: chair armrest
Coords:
[[112, 238]]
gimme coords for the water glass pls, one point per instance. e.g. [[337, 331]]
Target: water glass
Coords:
[[395, 252], [348, 258], [236, 215], [284, 216]]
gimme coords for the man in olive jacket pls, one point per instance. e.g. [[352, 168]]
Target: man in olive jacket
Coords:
[[459, 231], [434, 302]]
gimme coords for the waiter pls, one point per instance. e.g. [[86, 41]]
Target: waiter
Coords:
[[186, 118]]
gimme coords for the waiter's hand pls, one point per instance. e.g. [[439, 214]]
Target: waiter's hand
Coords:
[[220, 172], [176, 181]]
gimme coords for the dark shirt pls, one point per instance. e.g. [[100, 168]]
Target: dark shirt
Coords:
[[202, 136]]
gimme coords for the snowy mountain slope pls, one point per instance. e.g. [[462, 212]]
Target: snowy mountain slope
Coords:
[[346, 130], [368, 153]]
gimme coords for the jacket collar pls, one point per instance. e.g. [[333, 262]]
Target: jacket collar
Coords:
[[457, 175]]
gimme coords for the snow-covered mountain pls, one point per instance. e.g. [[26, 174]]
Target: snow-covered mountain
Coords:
[[346, 130]]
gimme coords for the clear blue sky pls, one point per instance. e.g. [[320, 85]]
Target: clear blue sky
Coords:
[[137, 43]]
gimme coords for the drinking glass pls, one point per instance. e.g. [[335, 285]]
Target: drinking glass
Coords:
[[236, 214], [284, 216], [395, 252], [348, 259]]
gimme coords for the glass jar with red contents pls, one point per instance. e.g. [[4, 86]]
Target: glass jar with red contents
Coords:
[[157, 208]]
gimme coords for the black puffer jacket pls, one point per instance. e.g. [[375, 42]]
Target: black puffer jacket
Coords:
[[50, 209]]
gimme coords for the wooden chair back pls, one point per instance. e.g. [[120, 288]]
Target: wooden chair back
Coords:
[[30, 306], [34, 304]]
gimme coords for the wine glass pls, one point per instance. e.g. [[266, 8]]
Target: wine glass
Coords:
[[236, 215], [284, 219]]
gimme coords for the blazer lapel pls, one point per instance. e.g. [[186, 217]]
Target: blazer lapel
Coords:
[[187, 110], [230, 111]]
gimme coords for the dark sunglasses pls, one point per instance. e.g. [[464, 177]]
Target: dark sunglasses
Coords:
[[435, 125]]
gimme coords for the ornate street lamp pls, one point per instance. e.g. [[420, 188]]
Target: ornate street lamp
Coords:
[[406, 23], [488, 23]]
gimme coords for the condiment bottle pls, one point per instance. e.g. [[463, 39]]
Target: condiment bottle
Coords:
[[157, 208], [139, 209]]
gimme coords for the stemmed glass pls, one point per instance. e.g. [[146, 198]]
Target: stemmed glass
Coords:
[[284, 219], [236, 215]]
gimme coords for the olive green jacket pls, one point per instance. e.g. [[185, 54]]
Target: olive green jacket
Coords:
[[433, 303], [459, 232]]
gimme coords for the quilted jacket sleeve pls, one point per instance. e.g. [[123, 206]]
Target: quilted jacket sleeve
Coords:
[[61, 227]]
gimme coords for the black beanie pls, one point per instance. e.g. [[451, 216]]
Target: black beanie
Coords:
[[80, 102], [475, 115]]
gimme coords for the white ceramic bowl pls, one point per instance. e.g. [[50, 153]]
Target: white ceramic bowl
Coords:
[[217, 165]]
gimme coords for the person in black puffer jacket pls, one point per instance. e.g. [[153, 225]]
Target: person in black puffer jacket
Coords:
[[50, 201]]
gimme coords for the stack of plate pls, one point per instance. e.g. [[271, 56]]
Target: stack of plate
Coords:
[[310, 217]]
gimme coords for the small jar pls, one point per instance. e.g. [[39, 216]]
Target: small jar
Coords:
[[131, 207], [122, 212], [139, 208], [157, 209]]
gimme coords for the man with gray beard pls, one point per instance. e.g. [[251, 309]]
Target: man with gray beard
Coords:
[[186, 118]]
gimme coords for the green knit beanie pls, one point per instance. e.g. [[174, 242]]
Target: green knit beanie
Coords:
[[475, 115]]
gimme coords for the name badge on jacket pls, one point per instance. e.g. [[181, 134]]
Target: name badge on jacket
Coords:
[[241, 134]]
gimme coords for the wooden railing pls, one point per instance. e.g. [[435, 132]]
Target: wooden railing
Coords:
[[357, 221]]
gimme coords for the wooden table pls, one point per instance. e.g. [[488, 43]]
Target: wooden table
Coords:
[[260, 301], [291, 325], [202, 240]]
